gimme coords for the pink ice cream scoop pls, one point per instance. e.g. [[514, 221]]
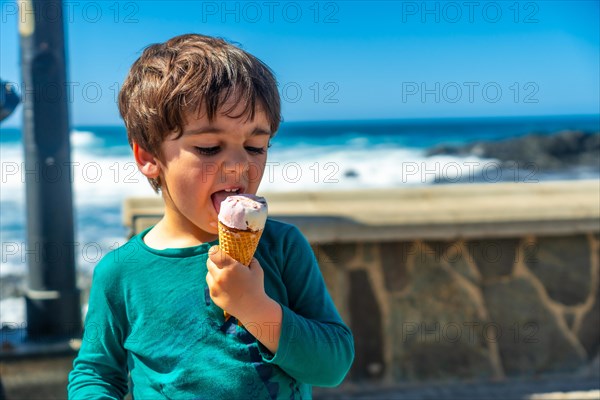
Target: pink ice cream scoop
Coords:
[[245, 212]]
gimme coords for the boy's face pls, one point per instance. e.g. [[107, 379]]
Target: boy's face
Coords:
[[210, 161]]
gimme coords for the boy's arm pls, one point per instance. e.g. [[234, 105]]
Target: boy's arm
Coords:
[[99, 371], [315, 346]]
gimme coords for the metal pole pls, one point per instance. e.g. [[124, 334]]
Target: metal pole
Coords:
[[53, 305]]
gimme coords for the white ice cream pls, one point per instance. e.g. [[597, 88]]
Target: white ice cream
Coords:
[[244, 212]]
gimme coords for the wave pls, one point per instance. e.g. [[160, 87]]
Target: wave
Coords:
[[356, 166], [12, 311], [97, 180], [108, 179], [84, 139]]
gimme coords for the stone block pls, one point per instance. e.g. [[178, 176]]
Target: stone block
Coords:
[[437, 325], [563, 265], [455, 255], [370, 253], [494, 258], [589, 330], [530, 336], [366, 325], [338, 253], [331, 274], [325, 262], [394, 256]]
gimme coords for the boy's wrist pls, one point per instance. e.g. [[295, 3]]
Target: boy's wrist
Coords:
[[259, 311], [264, 322]]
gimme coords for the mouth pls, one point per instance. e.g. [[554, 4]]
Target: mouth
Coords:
[[219, 196]]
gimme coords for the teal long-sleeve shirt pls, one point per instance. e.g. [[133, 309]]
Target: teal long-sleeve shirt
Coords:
[[150, 315]]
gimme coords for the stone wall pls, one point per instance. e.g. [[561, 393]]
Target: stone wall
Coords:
[[467, 308]]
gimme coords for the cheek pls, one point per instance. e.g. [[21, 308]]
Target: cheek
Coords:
[[256, 171], [192, 180]]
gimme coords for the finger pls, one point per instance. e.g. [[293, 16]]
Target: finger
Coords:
[[214, 249], [220, 258], [210, 281], [217, 260], [211, 266], [217, 255], [212, 288]]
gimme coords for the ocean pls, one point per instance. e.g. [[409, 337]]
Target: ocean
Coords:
[[333, 155]]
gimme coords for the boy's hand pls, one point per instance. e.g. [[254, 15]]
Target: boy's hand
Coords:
[[235, 288]]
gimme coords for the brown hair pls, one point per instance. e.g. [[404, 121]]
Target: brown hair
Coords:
[[192, 73]]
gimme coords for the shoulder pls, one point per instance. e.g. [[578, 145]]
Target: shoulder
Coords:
[[274, 226], [285, 243], [116, 263], [283, 233]]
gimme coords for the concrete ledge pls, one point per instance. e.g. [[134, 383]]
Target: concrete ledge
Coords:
[[434, 212]]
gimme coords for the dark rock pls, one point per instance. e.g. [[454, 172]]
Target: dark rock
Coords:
[[494, 257], [366, 325], [529, 335], [563, 266], [554, 152], [351, 174]]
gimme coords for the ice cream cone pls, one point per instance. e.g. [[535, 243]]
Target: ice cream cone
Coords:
[[242, 211], [239, 244]]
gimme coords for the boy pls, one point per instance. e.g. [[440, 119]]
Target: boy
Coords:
[[200, 114]]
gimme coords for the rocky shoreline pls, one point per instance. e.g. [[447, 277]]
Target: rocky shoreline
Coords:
[[531, 158], [550, 153]]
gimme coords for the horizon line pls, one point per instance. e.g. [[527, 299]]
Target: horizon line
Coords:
[[371, 120]]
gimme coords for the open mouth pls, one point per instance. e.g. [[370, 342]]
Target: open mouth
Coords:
[[221, 195]]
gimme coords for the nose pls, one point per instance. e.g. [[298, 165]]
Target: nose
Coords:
[[236, 165]]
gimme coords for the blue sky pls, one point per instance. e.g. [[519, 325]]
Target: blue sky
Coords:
[[340, 60]]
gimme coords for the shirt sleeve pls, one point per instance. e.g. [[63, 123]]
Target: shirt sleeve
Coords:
[[100, 369], [315, 346]]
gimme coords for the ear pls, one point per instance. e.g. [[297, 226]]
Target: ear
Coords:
[[146, 162]]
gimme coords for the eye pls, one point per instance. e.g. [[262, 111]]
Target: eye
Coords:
[[208, 151], [256, 150]]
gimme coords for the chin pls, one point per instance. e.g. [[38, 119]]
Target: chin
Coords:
[[214, 229]]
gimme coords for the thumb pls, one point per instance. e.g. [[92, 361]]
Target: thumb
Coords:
[[213, 250], [218, 256]]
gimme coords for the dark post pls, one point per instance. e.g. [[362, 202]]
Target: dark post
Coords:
[[53, 305]]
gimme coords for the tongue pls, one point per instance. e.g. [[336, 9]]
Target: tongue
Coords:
[[218, 197]]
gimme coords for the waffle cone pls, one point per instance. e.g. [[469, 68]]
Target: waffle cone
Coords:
[[239, 244]]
